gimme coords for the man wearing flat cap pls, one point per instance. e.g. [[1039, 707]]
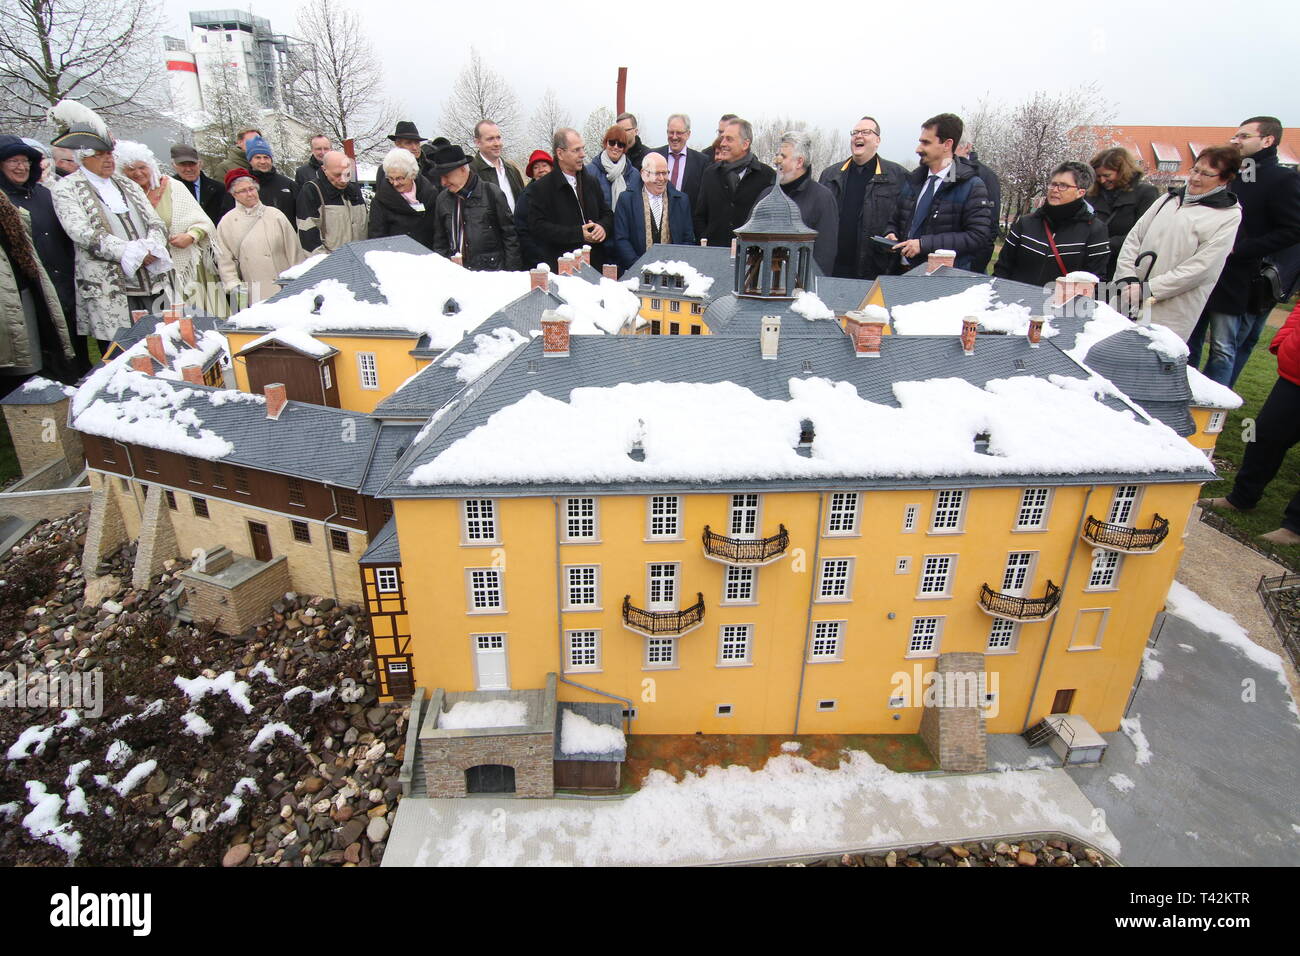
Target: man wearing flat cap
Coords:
[[471, 217], [189, 170]]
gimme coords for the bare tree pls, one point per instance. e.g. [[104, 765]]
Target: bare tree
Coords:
[[479, 93], [103, 54], [547, 118], [337, 80], [593, 131]]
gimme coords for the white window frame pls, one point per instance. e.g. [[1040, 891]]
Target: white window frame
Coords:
[[1217, 420], [826, 631], [326, 379], [1109, 564], [850, 506], [827, 705], [474, 649], [394, 579], [470, 574], [742, 634], [570, 519], [742, 572], [1116, 505], [943, 505], [570, 587], [826, 563], [675, 516], [368, 371], [930, 621], [1022, 565], [588, 633], [1012, 635], [1029, 505], [490, 520], [674, 305], [921, 593], [734, 510], [660, 642], [910, 513], [903, 564], [675, 603], [1101, 629]]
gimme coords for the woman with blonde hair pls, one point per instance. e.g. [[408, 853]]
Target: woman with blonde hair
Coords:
[[189, 230], [1119, 197]]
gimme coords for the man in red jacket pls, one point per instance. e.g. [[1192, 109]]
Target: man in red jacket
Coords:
[[1277, 430]]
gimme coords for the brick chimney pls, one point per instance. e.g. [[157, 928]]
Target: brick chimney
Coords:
[[192, 374], [1075, 284], [187, 333], [770, 337], [540, 278], [866, 338], [585, 253], [609, 270], [138, 314], [1035, 332], [154, 343], [172, 314], [555, 334], [969, 328], [142, 363], [567, 264], [276, 398], [940, 257]]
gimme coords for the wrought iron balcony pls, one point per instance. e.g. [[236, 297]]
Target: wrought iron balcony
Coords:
[[1117, 537], [663, 623], [1020, 608], [746, 550]]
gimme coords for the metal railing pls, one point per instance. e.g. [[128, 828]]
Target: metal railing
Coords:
[[1020, 608], [1270, 591], [663, 622], [1124, 538], [746, 550]]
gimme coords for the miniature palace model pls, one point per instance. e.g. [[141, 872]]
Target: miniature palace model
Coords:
[[724, 495]]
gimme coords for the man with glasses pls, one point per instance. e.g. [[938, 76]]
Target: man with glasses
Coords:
[[865, 187], [1061, 236], [567, 210], [685, 165], [1241, 301], [656, 212]]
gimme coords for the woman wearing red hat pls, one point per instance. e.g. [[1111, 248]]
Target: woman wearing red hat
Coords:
[[539, 165], [255, 242]]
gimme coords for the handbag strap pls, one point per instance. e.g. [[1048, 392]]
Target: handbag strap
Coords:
[[1051, 241]]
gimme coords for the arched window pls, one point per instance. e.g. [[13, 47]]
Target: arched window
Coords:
[[801, 275], [780, 270], [753, 269]]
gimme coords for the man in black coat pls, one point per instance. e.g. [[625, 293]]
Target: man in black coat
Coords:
[[566, 209], [866, 188], [817, 207], [320, 145], [1237, 309], [637, 150], [471, 217], [1059, 237], [20, 179], [209, 193], [994, 185], [730, 187], [943, 204], [489, 164], [275, 190], [685, 165]]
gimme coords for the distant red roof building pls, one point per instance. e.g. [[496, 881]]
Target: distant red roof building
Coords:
[[1170, 150]]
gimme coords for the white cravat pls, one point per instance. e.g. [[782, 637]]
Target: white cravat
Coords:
[[108, 192]]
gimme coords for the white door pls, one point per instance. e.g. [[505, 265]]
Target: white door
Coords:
[[490, 661], [663, 587], [744, 516], [1121, 508], [1016, 577]]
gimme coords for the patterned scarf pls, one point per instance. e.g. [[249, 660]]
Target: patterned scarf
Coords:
[[649, 220], [15, 238]]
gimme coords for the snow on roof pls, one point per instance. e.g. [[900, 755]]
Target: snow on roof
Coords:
[[38, 384], [1105, 322], [1080, 277], [687, 431], [1164, 342], [302, 268], [943, 316], [488, 350], [579, 735], [297, 339], [809, 306], [477, 714], [1208, 393], [697, 284], [417, 289]]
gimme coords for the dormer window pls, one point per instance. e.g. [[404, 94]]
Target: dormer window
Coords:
[[982, 443], [647, 279], [806, 435], [450, 307]]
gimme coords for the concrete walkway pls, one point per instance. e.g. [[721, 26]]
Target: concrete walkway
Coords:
[[739, 816]]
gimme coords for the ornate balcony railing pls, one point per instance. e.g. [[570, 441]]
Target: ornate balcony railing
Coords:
[[746, 550], [1020, 608], [656, 623], [1117, 537]]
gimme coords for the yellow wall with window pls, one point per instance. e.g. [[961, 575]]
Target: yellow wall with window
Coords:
[[764, 694], [1210, 423], [663, 314]]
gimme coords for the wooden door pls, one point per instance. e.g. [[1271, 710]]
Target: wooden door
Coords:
[[1063, 701], [261, 540]]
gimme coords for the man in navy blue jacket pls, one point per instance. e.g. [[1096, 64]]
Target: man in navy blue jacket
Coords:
[[668, 219]]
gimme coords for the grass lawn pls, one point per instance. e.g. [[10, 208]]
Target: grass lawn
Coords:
[[1256, 382]]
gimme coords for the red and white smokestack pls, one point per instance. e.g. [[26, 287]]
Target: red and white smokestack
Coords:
[[585, 253], [567, 264]]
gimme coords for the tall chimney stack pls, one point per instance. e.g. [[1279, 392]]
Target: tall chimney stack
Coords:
[[1035, 332], [276, 399], [940, 257], [567, 264], [142, 363], [555, 334], [770, 336], [609, 270], [540, 277], [192, 374], [969, 329], [154, 343], [138, 314], [187, 333]]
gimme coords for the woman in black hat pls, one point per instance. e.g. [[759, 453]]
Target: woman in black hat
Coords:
[[472, 217]]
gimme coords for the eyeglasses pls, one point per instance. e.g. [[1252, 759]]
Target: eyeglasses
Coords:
[[661, 174], [864, 132], [615, 144], [1061, 186], [1198, 171]]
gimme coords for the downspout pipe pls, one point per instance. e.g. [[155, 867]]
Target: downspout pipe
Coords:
[[812, 593]]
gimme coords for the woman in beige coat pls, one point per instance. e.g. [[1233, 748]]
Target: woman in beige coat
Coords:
[[1191, 232], [255, 243]]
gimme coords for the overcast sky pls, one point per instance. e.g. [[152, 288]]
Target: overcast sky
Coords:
[[1193, 63]]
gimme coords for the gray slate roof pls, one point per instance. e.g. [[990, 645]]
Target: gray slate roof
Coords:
[[742, 315], [1156, 383], [775, 213], [391, 442], [138, 331], [609, 715], [606, 361], [384, 547], [51, 394], [347, 264], [843, 295], [713, 261]]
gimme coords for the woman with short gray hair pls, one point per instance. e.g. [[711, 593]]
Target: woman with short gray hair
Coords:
[[407, 208], [1061, 236]]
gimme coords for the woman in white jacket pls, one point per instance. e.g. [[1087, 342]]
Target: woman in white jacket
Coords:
[[1191, 232]]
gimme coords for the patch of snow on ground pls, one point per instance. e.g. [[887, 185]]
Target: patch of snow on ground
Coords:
[[43, 821], [199, 687], [317, 697], [472, 714], [195, 724], [135, 776], [261, 668], [269, 731], [235, 801], [1121, 782], [36, 735], [119, 752], [1189, 648], [791, 746], [1151, 668], [579, 735], [1132, 727], [1192, 833]]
